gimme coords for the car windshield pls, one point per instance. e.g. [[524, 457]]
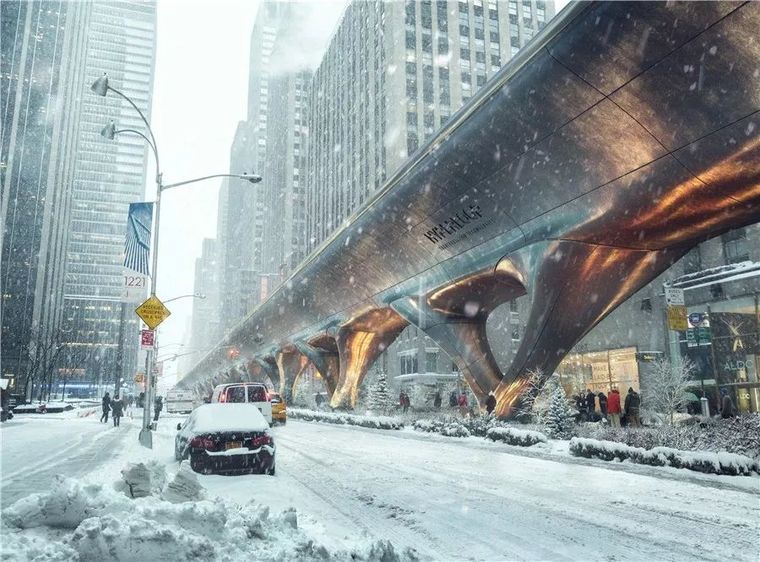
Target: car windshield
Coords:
[[235, 394]]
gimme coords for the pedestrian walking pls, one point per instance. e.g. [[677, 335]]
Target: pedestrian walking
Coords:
[[157, 407], [405, 402], [463, 405], [727, 409], [602, 404], [437, 400], [490, 403], [117, 407], [613, 407], [632, 408], [453, 399], [106, 402]]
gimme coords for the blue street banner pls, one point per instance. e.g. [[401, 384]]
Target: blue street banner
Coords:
[[137, 248]]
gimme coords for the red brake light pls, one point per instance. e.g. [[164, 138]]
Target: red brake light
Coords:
[[202, 443], [262, 440]]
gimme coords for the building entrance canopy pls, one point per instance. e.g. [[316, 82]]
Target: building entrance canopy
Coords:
[[618, 139]]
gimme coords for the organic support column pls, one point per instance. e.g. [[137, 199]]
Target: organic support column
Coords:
[[268, 369], [290, 365], [572, 286], [327, 363], [360, 342], [463, 339]]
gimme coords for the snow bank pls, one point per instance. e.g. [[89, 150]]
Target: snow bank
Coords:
[[513, 436], [700, 461], [95, 522], [375, 422]]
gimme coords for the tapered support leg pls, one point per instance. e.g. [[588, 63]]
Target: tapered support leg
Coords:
[[290, 365], [267, 369], [358, 351], [572, 286], [326, 362], [463, 339]]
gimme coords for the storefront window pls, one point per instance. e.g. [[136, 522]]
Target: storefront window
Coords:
[[600, 370]]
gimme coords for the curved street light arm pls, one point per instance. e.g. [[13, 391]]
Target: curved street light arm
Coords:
[[252, 178], [136, 132], [194, 295], [142, 116]]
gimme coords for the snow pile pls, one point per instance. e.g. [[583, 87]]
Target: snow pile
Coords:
[[140, 480], [374, 422], [514, 436], [699, 461], [94, 522], [184, 487]]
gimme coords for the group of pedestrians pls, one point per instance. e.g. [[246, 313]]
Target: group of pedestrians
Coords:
[[115, 406], [403, 401], [611, 407]]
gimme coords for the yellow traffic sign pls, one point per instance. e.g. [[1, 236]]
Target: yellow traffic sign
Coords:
[[152, 312], [677, 318]]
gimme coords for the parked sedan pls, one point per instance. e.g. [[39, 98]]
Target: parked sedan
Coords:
[[226, 439]]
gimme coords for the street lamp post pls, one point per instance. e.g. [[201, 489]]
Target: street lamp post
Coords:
[[102, 87]]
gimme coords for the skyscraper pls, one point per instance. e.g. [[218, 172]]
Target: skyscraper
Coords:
[[108, 176], [41, 80]]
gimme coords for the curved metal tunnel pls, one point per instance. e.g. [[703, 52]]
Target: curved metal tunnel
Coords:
[[623, 135]]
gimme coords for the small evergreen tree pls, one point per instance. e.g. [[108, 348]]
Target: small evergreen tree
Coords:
[[560, 416], [379, 396]]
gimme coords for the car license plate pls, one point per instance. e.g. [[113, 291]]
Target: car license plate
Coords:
[[233, 445]]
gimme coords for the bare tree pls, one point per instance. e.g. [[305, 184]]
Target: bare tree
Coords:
[[667, 386]]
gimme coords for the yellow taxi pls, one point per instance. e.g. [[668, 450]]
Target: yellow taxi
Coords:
[[279, 408]]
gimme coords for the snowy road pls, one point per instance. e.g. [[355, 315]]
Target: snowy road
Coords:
[[35, 449], [454, 501]]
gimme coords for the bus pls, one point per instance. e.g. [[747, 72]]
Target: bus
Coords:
[[179, 401]]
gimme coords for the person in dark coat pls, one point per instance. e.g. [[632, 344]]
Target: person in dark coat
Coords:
[[490, 403], [117, 406], [158, 406], [590, 404], [106, 407], [453, 399], [437, 400], [632, 408], [602, 404], [727, 409]]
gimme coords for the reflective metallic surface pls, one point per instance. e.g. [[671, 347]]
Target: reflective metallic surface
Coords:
[[622, 136]]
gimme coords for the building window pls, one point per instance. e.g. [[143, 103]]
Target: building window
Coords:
[[411, 40], [515, 332], [431, 362], [443, 45], [735, 246], [410, 20], [464, 54], [464, 30], [513, 306], [412, 143], [411, 69]]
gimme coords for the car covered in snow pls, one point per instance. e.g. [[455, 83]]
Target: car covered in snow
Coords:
[[279, 408], [228, 438], [254, 393]]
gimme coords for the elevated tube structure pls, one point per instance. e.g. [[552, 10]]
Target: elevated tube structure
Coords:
[[622, 136]]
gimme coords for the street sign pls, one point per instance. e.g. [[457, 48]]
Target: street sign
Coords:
[[674, 297], [677, 318], [147, 339], [152, 312], [134, 286]]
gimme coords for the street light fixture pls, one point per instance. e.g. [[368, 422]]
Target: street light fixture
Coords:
[[194, 296], [101, 87]]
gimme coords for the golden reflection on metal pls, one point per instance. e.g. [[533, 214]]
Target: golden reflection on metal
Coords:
[[359, 348], [290, 365]]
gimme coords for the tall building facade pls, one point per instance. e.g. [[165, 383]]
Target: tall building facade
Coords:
[[108, 176], [244, 209], [393, 74], [41, 80], [284, 244]]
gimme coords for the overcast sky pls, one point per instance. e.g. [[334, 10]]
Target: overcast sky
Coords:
[[200, 94]]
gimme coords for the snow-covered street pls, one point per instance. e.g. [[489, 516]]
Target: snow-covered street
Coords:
[[449, 499], [36, 448]]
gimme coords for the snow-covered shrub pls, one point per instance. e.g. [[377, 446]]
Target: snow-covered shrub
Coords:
[[514, 436], [479, 425], [455, 430], [699, 461], [374, 422], [739, 435], [379, 401], [428, 426]]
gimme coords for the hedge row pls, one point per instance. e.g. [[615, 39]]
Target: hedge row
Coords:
[[513, 436], [374, 422], [444, 427], [699, 461]]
